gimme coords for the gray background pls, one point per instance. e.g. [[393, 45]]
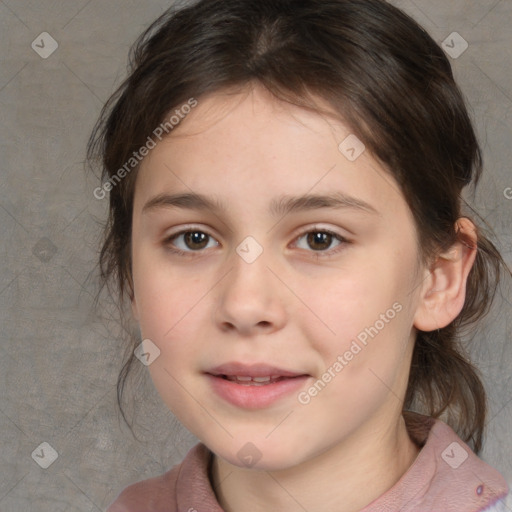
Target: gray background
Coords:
[[59, 357]]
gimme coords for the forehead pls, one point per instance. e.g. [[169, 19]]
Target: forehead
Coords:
[[248, 145]]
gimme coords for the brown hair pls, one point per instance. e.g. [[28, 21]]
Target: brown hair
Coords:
[[387, 79]]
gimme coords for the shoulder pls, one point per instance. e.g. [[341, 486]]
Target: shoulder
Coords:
[[502, 505], [153, 495], [175, 490], [446, 475], [459, 476]]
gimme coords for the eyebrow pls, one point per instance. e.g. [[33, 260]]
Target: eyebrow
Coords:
[[278, 207]]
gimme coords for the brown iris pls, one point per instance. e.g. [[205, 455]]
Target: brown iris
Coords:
[[195, 239], [319, 241]]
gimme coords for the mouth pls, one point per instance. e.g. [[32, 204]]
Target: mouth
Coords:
[[244, 380], [253, 374], [254, 386]]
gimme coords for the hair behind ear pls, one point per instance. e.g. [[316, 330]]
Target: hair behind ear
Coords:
[[443, 383], [447, 385], [483, 281]]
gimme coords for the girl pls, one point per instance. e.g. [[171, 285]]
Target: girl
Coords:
[[286, 223]]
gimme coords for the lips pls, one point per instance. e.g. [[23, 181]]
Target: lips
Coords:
[[256, 373], [254, 386]]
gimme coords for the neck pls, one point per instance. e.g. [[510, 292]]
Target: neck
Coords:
[[345, 478]]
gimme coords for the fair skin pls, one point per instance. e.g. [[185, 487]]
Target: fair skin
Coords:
[[295, 306]]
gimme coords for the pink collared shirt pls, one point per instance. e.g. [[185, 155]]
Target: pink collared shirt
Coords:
[[445, 477]]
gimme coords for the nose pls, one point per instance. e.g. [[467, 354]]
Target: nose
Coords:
[[250, 299]]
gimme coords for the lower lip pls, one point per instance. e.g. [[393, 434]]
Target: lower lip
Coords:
[[255, 397]]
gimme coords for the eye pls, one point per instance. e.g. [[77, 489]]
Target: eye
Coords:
[[319, 240], [192, 240]]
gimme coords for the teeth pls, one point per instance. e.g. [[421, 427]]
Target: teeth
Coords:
[[261, 379], [252, 381]]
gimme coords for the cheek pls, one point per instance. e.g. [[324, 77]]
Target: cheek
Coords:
[[172, 321], [161, 296], [353, 303], [366, 366], [164, 315], [167, 317], [368, 321]]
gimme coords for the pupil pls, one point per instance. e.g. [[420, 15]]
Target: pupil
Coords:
[[196, 239], [318, 241]]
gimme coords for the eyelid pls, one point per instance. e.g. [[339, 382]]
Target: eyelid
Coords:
[[319, 229], [168, 238], [184, 228]]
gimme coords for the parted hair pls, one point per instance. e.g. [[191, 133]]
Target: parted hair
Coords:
[[389, 82]]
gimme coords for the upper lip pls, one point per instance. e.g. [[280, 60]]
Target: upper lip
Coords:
[[252, 370]]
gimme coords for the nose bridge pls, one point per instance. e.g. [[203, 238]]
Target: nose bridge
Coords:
[[249, 268], [249, 250], [249, 297]]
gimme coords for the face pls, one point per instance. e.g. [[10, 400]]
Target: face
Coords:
[[260, 250]]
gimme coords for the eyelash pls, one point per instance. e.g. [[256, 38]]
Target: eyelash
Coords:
[[318, 254]]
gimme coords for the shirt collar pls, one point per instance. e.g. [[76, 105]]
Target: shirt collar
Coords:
[[446, 475]]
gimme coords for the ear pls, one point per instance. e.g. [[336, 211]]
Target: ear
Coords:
[[444, 289]]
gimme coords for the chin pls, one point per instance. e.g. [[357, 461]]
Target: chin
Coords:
[[259, 456]]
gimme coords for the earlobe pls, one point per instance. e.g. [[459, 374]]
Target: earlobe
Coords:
[[444, 291]]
